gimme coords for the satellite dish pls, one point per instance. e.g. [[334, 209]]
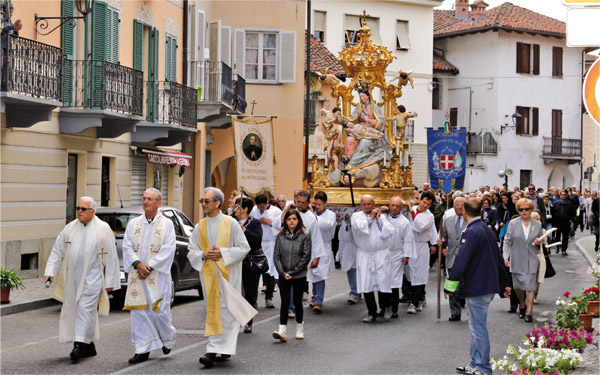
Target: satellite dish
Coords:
[[509, 172], [501, 174]]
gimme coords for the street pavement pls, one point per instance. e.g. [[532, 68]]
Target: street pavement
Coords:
[[336, 342]]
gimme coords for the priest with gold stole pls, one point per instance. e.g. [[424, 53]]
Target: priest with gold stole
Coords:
[[217, 248], [85, 264], [148, 250]]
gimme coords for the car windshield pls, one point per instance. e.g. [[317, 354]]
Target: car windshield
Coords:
[[118, 222]]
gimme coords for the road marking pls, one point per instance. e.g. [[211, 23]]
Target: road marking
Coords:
[[196, 345]]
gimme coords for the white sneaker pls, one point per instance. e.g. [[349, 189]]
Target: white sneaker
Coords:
[[411, 309], [353, 299], [300, 331], [388, 313], [420, 306], [305, 296], [281, 335]]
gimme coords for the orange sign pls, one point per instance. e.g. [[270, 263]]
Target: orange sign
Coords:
[[581, 2], [591, 91]]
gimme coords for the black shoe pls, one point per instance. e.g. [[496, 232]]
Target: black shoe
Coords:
[[528, 318], [76, 353], [222, 357], [139, 358], [513, 309], [380, 313], [557, 251], [208, 360], [405, 299], [564, 253], [454, 318], [247, 328], [166, 350], [394, 315], [521, 313]]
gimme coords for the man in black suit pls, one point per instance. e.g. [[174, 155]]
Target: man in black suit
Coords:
[[563, 212], [252, 151], [595, 219], [538, 203]]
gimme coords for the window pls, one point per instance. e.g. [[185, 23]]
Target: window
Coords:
[[171, 215], [528, 58], [454, 117], [265, 56], [105, 33], [170, 58], [557, 62], [556, 123], [528, 124], [436, 94], [319, 25], [402, 39], [353, 23], [525, 178]]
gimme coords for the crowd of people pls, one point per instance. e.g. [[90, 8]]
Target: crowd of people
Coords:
[[492, 241]]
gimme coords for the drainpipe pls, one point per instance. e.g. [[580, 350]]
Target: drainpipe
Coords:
[[307, 99], [185, 42]]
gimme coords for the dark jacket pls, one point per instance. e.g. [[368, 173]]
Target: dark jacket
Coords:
[[492, 217], [253, 234], [563, 212], [479, 266], [539, 204], [504, 214], [292, 254]]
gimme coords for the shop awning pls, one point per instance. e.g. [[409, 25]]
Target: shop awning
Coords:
[[163, 157]]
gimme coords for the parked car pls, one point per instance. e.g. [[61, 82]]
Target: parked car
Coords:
[[183, 275]]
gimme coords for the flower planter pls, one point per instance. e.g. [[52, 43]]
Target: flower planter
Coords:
[[587, 321], [5, 295], [593, 308]]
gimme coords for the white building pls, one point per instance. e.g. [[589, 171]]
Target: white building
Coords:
[[404, 27], [509, 59]]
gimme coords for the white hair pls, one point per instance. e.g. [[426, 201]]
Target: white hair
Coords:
[[93, 204], [156, 192], [218, 194], [461, 198]]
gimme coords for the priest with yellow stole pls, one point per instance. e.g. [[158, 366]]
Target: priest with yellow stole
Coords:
[[217, 248]]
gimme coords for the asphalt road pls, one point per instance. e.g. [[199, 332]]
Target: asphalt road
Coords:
[[336, 342]]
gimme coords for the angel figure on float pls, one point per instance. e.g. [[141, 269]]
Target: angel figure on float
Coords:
[[404, 78]]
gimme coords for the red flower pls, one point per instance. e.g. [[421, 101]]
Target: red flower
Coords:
[[566, 294]]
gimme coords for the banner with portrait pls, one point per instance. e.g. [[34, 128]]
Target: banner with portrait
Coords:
[[446, 153], [254, 155]]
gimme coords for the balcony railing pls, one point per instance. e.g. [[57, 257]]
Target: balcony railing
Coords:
[[562, 147], [239, 88], [171, 103], [478, 144], [215, 80], [32, 69], [93, 84]]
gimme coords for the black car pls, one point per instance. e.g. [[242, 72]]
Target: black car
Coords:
[[183, 275]]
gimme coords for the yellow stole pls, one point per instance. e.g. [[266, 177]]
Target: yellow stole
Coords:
[[214, 324]]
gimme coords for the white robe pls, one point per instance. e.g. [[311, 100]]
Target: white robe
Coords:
[[232, 257], [423, 227], [402, 245], [373, 256], [326, 223], [346, 254], [151, 330], [269, 233], [84, 282], [311, 227]]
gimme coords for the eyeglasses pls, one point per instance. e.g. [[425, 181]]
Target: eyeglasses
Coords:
[[205, 201], [524, 209], [83, 209]]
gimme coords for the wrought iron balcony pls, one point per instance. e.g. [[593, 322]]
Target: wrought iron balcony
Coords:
[[561, 149], [239, 88], [482, 144], [93, 84], [214, 80], [171, 103], [33, 69]]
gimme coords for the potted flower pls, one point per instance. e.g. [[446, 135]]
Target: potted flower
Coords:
[[9, 280], [572, 314], [592, 295]]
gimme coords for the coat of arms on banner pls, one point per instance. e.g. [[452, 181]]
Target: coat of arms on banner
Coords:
[[446, 154], [253, 141]]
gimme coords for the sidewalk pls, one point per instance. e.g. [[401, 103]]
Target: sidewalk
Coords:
[[34, 296]]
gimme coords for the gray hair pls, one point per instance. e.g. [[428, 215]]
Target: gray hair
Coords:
[[156, 192], [458, 193], [218, 194], [459, 198], [281, 195], [93, 204]]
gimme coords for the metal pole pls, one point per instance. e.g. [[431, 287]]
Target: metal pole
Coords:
[[307, 99]]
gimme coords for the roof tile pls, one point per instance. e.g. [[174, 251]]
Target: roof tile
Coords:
[[321, 58]]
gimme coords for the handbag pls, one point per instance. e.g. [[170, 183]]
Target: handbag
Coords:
[[549, 269], [258, 262]]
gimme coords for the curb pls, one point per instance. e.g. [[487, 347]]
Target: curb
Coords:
[[27, 306], [583, 251]]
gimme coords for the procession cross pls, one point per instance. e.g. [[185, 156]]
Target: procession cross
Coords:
[[252, 111], [102, 256], [364, 17]]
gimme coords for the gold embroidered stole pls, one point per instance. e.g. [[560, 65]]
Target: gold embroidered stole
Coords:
[[136, 298], [214, 324]]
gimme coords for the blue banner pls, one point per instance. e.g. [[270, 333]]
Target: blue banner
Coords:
[[446, 155]]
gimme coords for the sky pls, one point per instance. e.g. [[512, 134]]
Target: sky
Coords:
[[550, 8]]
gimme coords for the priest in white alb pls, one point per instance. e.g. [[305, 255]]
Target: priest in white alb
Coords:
[[371, 233], [217, 248], [148, 251], [85, 265]]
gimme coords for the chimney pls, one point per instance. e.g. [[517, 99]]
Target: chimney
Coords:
[[478, 9], [461, 8]]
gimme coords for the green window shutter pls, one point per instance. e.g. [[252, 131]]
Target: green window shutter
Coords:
[[153, 76], [155, 50], [138, 46], [113, 36], [67, 37], [99, 31], [171, 59]]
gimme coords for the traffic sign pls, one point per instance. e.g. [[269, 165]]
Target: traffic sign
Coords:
[[591, 92], [581, 2]]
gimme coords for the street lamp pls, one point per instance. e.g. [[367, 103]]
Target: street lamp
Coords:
[[504, 173], [516, 118]]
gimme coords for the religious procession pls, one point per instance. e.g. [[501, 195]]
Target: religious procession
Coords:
[[299, 187]]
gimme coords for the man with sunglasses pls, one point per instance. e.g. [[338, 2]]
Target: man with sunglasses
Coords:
[[85, 259]]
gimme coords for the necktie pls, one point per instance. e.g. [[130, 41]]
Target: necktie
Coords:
[[457, 226]]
